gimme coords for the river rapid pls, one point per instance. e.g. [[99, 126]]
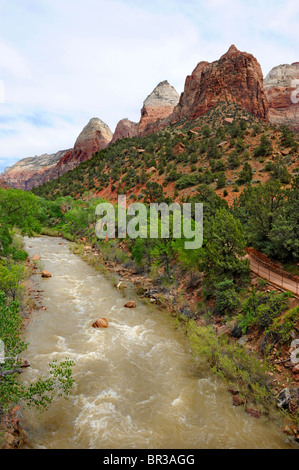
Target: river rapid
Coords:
[[136, 385]]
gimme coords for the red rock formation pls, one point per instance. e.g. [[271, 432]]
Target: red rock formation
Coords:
[[281, 85], [157, 106], [125, 128], [236, 77], [33, 171], [95, 136]]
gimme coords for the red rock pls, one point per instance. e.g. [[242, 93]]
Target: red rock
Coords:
[[236, 77], [130, 304], [46, 274], [125, 129], [253, 412], [100, 323], [280, 87], [157, 106], [237, 400], [287, 430], [35, 258], [179, 148], [33, 171]]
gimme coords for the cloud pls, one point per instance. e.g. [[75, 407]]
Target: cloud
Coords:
[[63, 62]]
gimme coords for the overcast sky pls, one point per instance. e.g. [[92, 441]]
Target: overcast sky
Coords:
[[63, 62]]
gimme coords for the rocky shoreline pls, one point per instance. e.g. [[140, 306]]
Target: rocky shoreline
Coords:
[[127, 279], [285, 377]]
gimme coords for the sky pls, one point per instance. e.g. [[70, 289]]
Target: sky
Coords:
[[63, 62]]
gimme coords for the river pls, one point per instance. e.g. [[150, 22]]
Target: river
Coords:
[[136, 384]]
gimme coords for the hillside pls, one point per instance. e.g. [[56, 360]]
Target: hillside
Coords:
[[226, 149], [235, 78]]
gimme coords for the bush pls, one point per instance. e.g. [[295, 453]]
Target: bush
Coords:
[[227, 299], [260, 309], [283, 328]]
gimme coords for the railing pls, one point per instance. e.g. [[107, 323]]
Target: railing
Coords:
[[272, 273]]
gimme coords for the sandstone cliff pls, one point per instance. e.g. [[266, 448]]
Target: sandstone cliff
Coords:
[[125, 128], [280, 86], [236, 77], [158, 105], [33, 171]]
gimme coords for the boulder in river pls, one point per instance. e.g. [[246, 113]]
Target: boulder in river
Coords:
[[253, 412], [130, 304], [46, 274], [100, 323], [25, 363], [35, 258]]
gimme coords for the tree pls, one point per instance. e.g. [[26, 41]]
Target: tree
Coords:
[[225, 250], [269, 215], [246, 174], [19, 209], [12, 390]]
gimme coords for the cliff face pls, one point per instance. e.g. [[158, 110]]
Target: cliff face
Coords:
[[281, 85], [33, 171], [236, 77], [95, 136], [157, 106], [125, 128]]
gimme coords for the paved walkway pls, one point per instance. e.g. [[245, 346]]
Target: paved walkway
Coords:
[[285, 282]]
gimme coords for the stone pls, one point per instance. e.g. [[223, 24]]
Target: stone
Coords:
[[130, 304], [253, 412], [157, 106], [237, 400], [287, 430], [279, 88], [283, 398], [25, 363], [34, 171], [100, 323], [35, 258], [46, 274], [236, 77], [125, 129]]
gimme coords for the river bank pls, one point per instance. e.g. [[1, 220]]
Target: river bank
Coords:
[[129, 283], [181, 303]]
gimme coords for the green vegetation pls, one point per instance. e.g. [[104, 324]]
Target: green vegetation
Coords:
[[189, 162], [23, 212]]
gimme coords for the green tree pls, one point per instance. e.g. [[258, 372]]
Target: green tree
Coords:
[[12, 390], [225, 250]]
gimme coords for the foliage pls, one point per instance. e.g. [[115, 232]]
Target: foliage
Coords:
[[260, 310], [283, 328], [225, 249], [12, 390], [227, 300], [231, 362]]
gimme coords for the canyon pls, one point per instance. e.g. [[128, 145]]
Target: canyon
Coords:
[[236, 78]]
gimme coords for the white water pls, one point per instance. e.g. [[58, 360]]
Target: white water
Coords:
[[136, 384]]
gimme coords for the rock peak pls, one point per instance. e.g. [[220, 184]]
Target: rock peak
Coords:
[[231, 51], [230, 79], [158, 105], [163, 94]]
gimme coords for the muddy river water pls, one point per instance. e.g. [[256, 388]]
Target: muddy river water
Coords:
[[136, 385]]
